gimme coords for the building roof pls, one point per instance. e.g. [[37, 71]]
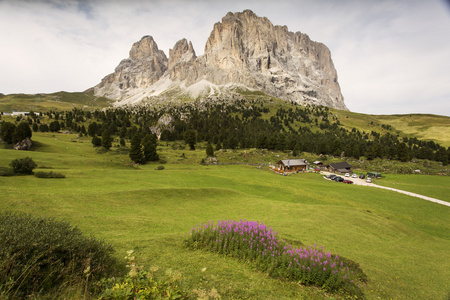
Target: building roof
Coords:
[[317, 162], [341, 165], [293, 162]]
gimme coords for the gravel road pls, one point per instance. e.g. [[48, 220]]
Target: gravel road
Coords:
[[359, 181]]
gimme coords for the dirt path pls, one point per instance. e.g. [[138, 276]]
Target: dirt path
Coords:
[[359, 181]]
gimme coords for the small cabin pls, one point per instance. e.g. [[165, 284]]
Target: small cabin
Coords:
[[292, 165], [340, 168]]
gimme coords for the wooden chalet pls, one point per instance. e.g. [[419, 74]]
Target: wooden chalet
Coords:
[[292, 165], [340, 168]]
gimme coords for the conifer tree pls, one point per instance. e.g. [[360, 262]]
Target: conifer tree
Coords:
[[106, 139], [136, 153], [149, 148], [209, 150]]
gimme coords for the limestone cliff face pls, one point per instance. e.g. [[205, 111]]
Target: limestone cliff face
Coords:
[[242, 50], [145, 66]]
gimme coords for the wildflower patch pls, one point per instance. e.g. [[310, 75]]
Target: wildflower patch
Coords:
[[255, 242]]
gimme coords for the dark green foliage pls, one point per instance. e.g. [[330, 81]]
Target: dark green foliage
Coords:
[[35, 127], [22, 132], [149, 148], [39, 255], [54, 126], [96, 141], [92, 129], [136, 153], [6, 172], [190, 137], [106, 139], [7, 132], [23, 165], [209, 150], [402, 152], [159, 168], [49, 175], [44, 128]]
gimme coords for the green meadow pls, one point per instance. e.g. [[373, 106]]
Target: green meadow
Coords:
[[400, 242]]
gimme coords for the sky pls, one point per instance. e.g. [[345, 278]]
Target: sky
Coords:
[[391, 56]]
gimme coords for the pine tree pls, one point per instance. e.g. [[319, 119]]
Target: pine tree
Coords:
[[209, 150], [106, 139], [402, 152], [136, 153], [149, 148], [190, 137]]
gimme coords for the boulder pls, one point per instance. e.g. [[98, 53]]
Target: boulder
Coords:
[[24, 144]]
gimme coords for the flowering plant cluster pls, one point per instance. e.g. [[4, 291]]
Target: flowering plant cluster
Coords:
[[255, 242]]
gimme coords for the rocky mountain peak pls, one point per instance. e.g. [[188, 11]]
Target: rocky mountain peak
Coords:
[[243, 50], [144, 48]]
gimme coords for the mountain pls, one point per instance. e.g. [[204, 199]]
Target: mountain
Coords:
[[244, 51]]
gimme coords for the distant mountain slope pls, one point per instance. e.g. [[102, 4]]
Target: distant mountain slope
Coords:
[[243, 51]]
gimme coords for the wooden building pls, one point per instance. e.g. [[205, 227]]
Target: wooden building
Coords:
[[340, 168], [292, 165]]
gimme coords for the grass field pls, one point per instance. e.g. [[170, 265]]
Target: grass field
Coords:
[[400, 242], [421, 126], [59, 101]]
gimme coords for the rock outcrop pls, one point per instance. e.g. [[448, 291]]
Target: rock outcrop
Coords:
[[23, 145], [244, 51]]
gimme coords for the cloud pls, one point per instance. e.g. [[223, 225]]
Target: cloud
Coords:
[[391, 56]]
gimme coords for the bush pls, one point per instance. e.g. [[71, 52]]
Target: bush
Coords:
[[159, 168], [141, 284], [23, 165], [49, 175], [254, 242], [40, 255], [7, 172]]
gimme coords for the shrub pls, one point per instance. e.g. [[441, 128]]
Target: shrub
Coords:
[[49, 175], [6, 172], [253, 241], [23, 165], [141, 284], [159, 168], [39, 255]]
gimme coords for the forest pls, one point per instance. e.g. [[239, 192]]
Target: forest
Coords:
[[239, 124]]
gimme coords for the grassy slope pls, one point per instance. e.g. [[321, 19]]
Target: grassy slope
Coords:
[[57, 101], [401, 242], [422, 126]]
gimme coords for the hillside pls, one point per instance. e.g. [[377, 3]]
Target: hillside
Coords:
[[56, 101], [400, 242], [421, 127]]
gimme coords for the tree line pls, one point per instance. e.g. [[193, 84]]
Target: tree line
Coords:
[[237, 125]]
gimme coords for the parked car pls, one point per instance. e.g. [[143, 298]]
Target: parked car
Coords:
[[362, 176], [339, 179], [347, 175], [369, 180], [355, 176], [348, 181], [332, 177]]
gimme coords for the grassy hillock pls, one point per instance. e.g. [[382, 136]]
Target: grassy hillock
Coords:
[[59, 101], [422, 126], [400, 242]]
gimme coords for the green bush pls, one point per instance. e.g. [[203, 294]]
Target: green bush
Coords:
[[41, 255], [6, 172], [49, 175], [159, 168], [141, 284], [23, 165]]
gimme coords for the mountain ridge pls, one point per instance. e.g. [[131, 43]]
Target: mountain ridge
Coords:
[[242, 51]]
